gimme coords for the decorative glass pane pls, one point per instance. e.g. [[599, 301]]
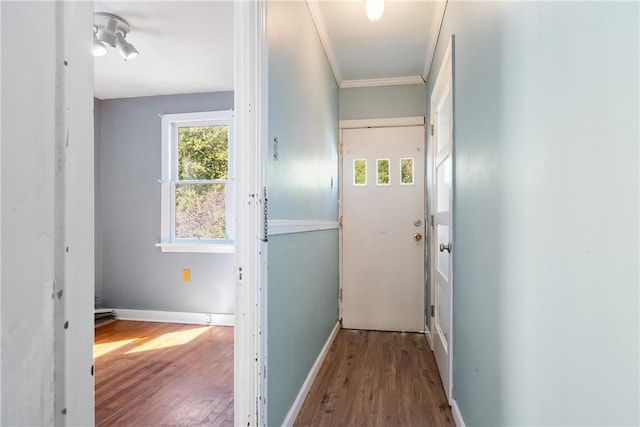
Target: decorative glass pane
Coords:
[[443, 186], [382, 171], [443, 114], [360, 172], [406, 171], [203, 152], [200, 211]]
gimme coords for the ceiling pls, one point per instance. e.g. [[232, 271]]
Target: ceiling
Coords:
[[187, 46]]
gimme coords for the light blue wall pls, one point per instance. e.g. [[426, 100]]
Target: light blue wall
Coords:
[[546, 324], [303, 268], [383, 102], [135, 274], [303, 309], [303, 103]]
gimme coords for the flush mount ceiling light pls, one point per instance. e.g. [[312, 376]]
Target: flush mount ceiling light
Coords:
[[374, 9], [111, 30]]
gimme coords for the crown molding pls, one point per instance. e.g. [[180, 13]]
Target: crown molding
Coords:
[[393, 81], [436, 23], [316, 16]]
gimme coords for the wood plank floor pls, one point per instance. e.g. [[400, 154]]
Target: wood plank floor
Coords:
[[160, 374], [372, 378]]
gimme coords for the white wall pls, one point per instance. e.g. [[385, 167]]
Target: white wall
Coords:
[[28, 221], [46, 229], [546, 323]]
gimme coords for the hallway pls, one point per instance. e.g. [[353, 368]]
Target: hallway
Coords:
[[377, 378]]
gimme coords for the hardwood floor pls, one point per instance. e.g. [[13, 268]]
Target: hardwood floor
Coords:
[[160, 374], [372, 378]]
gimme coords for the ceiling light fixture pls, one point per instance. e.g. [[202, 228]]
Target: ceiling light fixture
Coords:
[[99, 49], [111, 30], [126, 49], [374, 9]]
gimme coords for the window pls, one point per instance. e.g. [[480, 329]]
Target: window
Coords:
[[360, 172], [406, 171], [382, 171], [197, 182]]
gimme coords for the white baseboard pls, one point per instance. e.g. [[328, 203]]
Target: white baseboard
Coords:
[[457, 415], [429, 338], [306, 386], [175, 317]]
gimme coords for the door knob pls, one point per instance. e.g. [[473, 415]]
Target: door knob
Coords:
[[417, 237], [446, 247]]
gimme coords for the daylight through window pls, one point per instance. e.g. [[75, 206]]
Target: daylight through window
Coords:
[[197, 184], [203, 171], [383, 171], [360, 172]]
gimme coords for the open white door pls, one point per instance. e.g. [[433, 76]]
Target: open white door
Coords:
[[442, 236]]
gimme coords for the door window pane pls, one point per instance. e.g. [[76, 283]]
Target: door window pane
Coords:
[[443, 185], [382, 171], [360, 172], [443, 114], [406, 171]]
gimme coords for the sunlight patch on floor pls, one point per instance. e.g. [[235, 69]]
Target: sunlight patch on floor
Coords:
[[170, 339], [104, 348]]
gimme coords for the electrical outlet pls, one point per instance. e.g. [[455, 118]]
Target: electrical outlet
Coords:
[[207, 319]]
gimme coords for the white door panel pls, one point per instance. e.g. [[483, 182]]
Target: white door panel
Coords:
[[442, 236], [383, 259]]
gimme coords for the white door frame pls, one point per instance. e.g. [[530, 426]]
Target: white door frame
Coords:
[[250, 352], [359, 124], [251, 114], [74, 389]]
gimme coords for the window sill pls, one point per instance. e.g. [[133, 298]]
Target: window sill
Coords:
[[215, 248]]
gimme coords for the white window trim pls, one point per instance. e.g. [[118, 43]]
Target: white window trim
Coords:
[[168, 243]]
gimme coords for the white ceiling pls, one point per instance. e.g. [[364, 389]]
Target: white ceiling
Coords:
[[187, 46], [393, 49]]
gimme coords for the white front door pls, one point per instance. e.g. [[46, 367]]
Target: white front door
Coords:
[[442, 246], [383, 227]]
